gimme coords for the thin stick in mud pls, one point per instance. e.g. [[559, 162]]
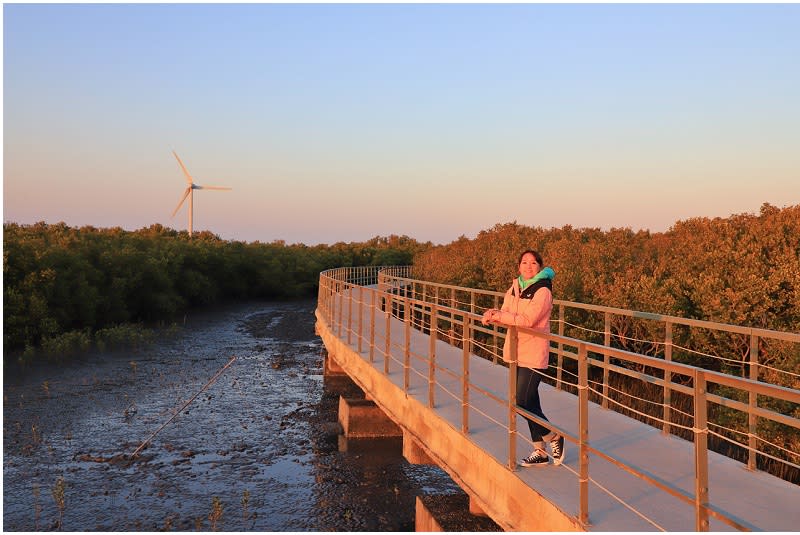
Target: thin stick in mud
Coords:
[[209, 383]]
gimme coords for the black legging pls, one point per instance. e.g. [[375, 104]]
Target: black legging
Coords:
[[528, 398]]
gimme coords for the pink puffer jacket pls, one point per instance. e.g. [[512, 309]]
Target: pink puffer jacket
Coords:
[[533, 351]]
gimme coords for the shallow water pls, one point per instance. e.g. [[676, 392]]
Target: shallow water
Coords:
[[256, 451]]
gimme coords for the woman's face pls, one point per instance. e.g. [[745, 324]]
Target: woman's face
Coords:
[[528, 266]]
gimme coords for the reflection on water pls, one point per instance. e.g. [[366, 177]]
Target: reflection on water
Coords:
[[261, 442]]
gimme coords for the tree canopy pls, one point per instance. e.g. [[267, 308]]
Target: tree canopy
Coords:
[[743, 270], [59, 279]]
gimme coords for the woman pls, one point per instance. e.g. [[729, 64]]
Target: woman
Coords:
[[528, 303]]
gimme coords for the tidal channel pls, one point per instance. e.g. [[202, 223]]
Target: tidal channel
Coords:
[[256, 451]]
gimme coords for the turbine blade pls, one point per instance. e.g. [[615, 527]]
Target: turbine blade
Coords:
[[185, 172], [221, 188], [185, 194]]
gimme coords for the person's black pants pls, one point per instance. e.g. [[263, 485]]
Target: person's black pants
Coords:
[[528, 398]]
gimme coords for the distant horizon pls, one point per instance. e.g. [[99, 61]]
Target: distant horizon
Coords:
[[338, 122], [472, 237]]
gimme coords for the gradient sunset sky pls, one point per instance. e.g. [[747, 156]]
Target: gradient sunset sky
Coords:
[[340, 122]]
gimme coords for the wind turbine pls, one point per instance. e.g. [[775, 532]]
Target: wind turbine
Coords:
[[190, 192]]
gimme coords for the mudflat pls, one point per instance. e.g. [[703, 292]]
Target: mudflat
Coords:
[[255, 451]]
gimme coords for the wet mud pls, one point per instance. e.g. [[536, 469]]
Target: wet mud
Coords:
[[257, 450]]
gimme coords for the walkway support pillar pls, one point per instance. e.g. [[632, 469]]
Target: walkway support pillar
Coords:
[[475, 509], [331, 367], [362, 418], [412, 451]]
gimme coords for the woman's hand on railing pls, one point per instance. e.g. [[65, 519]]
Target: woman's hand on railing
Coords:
[[491, 315]]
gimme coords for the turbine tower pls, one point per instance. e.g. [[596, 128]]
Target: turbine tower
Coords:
[[189, 192]]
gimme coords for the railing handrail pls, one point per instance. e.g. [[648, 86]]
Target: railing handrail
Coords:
[[727, 327], [760, 387], [398, 277]]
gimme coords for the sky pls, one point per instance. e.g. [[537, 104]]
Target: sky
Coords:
[[342, 122]]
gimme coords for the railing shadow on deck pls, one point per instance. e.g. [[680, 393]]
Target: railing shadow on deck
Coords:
[[587, 368]]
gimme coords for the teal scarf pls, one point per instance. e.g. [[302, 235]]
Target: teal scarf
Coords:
[[546, 273]]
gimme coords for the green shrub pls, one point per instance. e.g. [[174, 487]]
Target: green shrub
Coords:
[[123, 336], [66, 344]]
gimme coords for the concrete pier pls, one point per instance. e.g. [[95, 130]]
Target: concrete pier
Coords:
[[331, 368], [413, 452], [361, 418], [449, 513]]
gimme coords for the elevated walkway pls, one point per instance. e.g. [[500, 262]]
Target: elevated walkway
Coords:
[[468, 436]]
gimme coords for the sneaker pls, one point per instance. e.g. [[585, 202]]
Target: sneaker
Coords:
[[557, 447], [537, 458]]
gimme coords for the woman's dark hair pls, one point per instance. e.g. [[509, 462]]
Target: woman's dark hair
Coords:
[[535, 254]]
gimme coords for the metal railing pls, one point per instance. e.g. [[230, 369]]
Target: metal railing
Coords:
[[453, 314]]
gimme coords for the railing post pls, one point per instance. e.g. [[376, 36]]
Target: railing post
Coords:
[[494, 336], [583, 434], [413, 304], [350, 314], [432, 355], [341, 307], [320, 293], [512, 399], [328, 299], [332, 303], [452, 316], [372, 325], [388, 314], [407, 351], [424, 303], [700, 452], [752, 419], [360, 317], [667, 379], [606, 359], [435, 324], [465, 352], [321, 299], [560, 346]]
